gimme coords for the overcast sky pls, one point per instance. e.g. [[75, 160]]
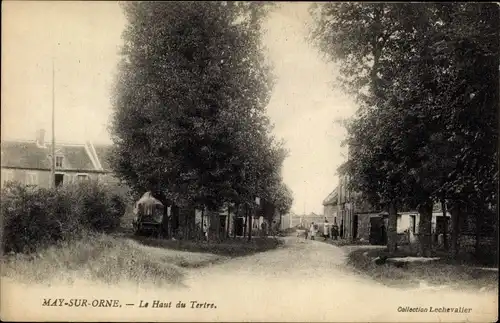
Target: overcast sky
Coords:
[[84, 38]]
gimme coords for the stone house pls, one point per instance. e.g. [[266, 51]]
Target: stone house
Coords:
[[287, 221], [228, 220], [339, 206], [407, 225], [330, 208], [359, 220], [29, 162], [318, 219]]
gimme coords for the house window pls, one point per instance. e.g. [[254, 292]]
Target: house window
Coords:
[[59, 161], [7, 176], [31, 179], [82, 177]]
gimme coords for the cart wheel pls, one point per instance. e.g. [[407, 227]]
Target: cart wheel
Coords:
[[138, 230]]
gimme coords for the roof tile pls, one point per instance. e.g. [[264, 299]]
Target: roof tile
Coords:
[[27, 154]]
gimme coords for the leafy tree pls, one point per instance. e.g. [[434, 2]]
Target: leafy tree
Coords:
[[368, 41], [190, 99], [284, 199], [458, 63], [415, 139], [468, 51]]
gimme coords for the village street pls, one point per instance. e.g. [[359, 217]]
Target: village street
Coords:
[[303, 281]]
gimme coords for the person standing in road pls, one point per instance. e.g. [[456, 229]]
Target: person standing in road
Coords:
[[312, 231], [325, 230], [335, 231], [205, 232]]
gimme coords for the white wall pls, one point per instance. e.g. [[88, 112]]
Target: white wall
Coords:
[[404, 221], [285, 222], [197, 218]]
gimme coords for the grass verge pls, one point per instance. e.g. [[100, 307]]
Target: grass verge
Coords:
[[105, 259], [441, 272], [342, 242], [230, 248]]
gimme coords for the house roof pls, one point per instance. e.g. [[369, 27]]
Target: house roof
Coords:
[[28, 155], [312, 215], [103, 152], [332, 198]]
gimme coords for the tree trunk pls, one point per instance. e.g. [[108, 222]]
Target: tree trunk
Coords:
[[170, 223], [215, 224], [495, 236], [455, 212], [173, 224], [185, 231], [236, 213], [445, 225], [164, 228], [245, 225], [250, 225], [202, 222], [392, 228], [165, 224], [425, 229], [479, 222], [228, 220]]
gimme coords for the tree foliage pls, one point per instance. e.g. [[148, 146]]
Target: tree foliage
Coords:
[[426, 78], [190, 99]]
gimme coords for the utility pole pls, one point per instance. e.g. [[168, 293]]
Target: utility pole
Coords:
[[53, 164]]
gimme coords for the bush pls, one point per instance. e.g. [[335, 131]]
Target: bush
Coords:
[[37, 217], [27, 219], [97, 207]]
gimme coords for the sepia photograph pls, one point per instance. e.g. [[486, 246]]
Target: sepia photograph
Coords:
[[249, 161]]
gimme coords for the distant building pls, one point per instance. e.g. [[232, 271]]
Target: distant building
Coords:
[[29, 162], [287, 221], [357, 219], [330, 208], [307, 219]]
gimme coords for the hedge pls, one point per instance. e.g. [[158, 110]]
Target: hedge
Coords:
[[36, 217]]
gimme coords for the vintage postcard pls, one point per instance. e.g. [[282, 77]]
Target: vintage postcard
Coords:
[[249, 161]]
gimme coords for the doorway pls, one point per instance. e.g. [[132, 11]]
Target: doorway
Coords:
[[355, 227], [238, 226], [59, 179], [441, 226], [377, 231], [222, 224]]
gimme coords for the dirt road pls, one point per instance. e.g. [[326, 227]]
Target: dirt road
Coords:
[[303, 281]]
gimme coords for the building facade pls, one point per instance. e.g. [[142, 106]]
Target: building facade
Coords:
[[330, 208], [359, 220], [29, 162]]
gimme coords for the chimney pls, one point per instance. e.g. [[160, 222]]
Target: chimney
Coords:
[[40, 138]]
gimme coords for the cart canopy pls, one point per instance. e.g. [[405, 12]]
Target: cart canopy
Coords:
[[147, 204]]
